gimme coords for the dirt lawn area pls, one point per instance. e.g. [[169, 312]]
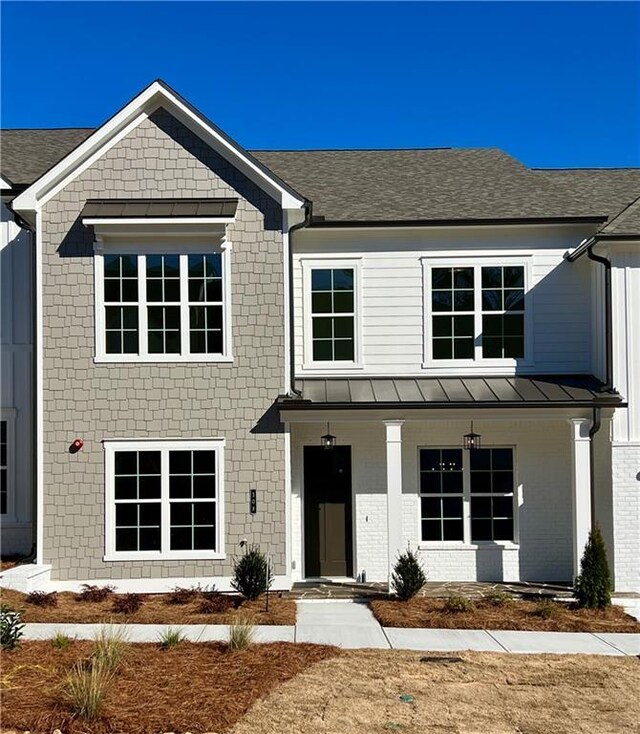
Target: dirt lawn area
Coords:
[[514, 614], [359, 692]]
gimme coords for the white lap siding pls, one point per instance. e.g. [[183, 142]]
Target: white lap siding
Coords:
[[543, 473]]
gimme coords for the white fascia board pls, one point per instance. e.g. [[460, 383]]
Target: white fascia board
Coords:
[[5, 183], [154, 96], [156, 220]]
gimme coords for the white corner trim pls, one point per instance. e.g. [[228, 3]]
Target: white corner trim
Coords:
[[140, 107], [39, 397]]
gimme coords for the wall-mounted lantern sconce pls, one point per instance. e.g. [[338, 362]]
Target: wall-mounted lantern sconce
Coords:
[[76, 446]]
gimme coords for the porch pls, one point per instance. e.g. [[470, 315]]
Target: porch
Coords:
[[516, 511]]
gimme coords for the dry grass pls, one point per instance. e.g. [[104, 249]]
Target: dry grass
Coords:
[[516, 615], [190, 688], [155, 609], [488, 693]]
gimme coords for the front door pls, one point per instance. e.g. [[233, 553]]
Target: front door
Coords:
[[327, 511]]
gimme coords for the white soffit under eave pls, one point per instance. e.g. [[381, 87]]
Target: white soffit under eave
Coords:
[[156, 95]]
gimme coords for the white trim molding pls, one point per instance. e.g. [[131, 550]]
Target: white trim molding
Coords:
[[164, 447], [333, 263]]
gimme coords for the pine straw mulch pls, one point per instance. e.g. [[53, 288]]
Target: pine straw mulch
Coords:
[[359, 692], [7, 562], [516, 614], [155, 609], [193, 687]]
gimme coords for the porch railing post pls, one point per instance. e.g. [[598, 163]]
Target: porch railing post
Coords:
[[394, 490], [580, 487]]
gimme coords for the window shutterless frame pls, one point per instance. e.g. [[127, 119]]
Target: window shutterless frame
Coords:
[[8, 466], [476, 361], [308, 265], [164, 447], [467, 496], [182, 248]]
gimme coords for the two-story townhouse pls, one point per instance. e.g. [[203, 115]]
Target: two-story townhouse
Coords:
[[333, 354]]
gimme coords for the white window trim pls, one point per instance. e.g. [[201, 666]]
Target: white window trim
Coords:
[[9, 415], [307, 322], [143, 247], [110, 447], [466, 543], [478, 364]]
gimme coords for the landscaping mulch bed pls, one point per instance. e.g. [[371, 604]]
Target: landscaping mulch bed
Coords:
[[155, 609], [516, 614], [7, 562], [194, 687]]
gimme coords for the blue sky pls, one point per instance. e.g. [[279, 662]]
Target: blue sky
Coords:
[[555, 84]]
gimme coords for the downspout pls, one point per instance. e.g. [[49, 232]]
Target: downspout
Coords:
[[292, 362]]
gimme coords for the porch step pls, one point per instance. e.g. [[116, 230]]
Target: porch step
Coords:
[[26, 578]]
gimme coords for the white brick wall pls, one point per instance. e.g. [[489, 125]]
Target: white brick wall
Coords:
[[625, 459], [543, 473]]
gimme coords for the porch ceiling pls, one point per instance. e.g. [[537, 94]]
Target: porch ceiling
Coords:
[[545, 391]]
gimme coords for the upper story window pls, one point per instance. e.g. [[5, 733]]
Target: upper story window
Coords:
[[331, 325], [166, 305], [164, 499], [475, 312]]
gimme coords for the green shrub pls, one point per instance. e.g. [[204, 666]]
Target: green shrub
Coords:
[[498, 599], [457, 604], [251, 573], [170, 638], [61, 641], [593, 586], [93, 593], [408, 576], [241, 634], [11, 627], [86, 687], [127, 603], [43, 599], [546, 609]]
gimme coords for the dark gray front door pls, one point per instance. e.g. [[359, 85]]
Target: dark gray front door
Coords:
[[327, 511]]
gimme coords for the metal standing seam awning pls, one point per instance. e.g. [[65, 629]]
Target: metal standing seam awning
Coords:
[[155, 208], [539, 391]]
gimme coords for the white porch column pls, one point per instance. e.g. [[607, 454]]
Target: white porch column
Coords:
[[580, 487], [394, 490]]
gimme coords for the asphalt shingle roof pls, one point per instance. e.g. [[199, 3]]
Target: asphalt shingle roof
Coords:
[[392, 185]]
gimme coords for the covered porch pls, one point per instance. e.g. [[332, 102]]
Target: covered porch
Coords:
[[518, 509]]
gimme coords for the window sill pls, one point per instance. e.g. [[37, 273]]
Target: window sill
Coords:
[[321, 366], [161, 359], [445, 365], [453, 545], [175, 556]]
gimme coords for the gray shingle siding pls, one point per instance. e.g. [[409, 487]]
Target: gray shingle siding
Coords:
[[160, 158]]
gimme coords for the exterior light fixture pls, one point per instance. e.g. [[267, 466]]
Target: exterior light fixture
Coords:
[[471, 439], [328, 441]]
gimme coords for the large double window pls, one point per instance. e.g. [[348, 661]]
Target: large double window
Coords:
[[476, 312], [164, 499], [467, 496], [163, 306]]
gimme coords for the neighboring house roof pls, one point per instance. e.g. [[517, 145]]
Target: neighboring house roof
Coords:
[[451, 392], [392, 185]]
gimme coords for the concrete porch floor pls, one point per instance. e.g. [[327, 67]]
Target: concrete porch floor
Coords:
[[349, 589]]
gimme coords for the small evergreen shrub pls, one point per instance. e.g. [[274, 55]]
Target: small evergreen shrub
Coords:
[[127, 603], [251, 574], [183, 594], [408, 576], [241, 634], [90, 592], [458, 604], [546, 609], [593, 586], [43, 599], [11, 627], [498, 599]]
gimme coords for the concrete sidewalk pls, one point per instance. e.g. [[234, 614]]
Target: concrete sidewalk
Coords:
[[350, 624]]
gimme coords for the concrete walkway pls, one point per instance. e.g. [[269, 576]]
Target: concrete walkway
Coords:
[[350, 624]]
